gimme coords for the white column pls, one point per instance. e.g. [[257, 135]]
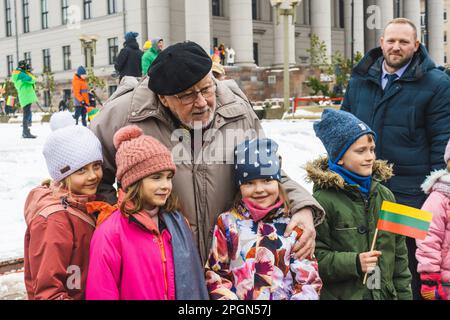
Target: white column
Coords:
[[321, 21], [411, 11], [358, 26], [198, 23], [158, 20], [279, 41], [387, 14], [241, 31], [436, 30]]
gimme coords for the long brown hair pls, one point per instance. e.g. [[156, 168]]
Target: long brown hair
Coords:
[[283, 195], [134, 201]]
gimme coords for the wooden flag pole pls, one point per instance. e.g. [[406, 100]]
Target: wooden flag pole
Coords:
[[371, 249]]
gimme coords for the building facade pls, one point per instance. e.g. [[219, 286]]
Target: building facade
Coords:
[[48, 31]]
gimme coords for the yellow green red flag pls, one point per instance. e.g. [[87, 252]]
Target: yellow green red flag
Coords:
[[404, 220]]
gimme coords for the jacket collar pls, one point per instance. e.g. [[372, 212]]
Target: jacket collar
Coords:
[[369, 68], [323, 178]]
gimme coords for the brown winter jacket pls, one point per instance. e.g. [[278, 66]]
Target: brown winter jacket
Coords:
[[204, 189], [56, 245]]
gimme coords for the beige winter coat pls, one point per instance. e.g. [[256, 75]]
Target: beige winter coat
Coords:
[[204, 189]]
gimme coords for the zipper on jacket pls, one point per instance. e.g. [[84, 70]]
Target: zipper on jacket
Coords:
[[164, 260]]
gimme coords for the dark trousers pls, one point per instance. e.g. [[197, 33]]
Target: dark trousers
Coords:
[[81, 111], [415, 201], [416, 282], [26, 119]]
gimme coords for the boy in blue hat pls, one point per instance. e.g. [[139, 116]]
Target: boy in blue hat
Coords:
[[250, 258], [347, 184]]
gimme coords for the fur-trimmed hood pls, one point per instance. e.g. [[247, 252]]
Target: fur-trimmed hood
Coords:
[[442, 176], [318, 173]]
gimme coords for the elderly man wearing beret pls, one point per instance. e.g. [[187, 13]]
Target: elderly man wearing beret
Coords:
[[182, 105]]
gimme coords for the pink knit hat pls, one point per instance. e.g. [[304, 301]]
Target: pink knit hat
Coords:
[[139, 156], [447, 152]]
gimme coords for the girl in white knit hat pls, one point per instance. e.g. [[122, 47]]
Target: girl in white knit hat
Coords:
[[61, 216]]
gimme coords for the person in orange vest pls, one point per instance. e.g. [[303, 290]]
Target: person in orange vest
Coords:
[[81, 95]]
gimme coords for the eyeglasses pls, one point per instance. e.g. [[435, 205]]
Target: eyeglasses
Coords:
[[190, 98]]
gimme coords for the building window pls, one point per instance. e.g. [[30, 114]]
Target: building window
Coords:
[[113, 44], [8, 18], [112, 6], [256, 53], [215, 42], [9, 64], [64, 11], [87, 9], [255, 10], [44, 14], [66, 58], [111, 90], [27, 58], [445, 36], [445, 14], [46, 99], [445, 59], [217, 8], [47, 61], [341, 14], [26, 16]]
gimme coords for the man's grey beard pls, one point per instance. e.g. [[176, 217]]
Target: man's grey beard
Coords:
[[198, 124]]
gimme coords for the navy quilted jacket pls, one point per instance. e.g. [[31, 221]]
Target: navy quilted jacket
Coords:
[[412, 119]]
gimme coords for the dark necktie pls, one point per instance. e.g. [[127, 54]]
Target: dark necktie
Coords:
[[391, 78]]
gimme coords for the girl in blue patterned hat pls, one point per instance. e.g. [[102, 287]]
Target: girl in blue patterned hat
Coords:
[[250, 258]]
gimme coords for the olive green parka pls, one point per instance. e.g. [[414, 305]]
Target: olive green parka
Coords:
[[348, 230]]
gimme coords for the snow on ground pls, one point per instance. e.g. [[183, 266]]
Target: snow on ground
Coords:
[[12, 287], [22, 167]]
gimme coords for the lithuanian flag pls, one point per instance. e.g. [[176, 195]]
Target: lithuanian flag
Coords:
[[404, 220], [92, 112]]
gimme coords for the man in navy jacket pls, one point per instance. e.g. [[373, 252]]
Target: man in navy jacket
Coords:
[[401, 94]]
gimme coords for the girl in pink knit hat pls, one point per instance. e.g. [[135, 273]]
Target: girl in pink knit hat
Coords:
[[145, 250], [433, 253]]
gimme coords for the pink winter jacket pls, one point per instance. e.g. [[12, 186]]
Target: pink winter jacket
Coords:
[[130, 260], [433, 253]]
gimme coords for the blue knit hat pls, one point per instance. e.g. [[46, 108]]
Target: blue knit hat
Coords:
[[256, 159], [81, 70], [338, 130], [131, 35]]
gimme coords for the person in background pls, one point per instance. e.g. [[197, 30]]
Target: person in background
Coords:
[[147, 45], [2, 100], [222, 54], [157, 45], [64, 104], [128, 61], [81, 95], [25, 83], [216, 55], [218, 71]]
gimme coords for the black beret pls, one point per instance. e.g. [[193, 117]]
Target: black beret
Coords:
[[177, 68]]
